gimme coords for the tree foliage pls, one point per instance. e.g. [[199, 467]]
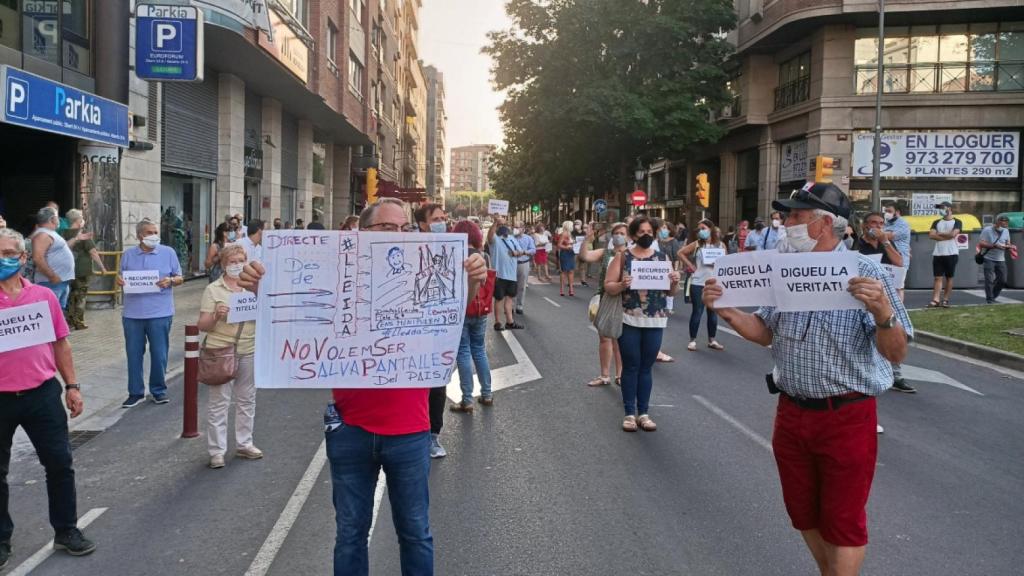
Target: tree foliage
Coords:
[[592, 85]]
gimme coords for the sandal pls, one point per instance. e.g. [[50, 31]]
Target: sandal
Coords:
[[934, 304], [514, 326], [646, 423], [629, 424], [692, 346], [945, 303], [618, 381], [498, 327], [662, 357], [599, 381], [714, 345]]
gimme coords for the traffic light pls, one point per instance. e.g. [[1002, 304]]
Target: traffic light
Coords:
[[823, 166], [703, 190], [371, 186]]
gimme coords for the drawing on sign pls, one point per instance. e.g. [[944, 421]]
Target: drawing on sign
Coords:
[[404, 296]]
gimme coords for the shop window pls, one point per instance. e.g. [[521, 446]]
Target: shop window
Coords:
[[186, 219], [319, 161], [979, 203], [75, 24]]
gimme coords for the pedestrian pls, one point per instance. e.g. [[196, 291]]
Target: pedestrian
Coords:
[[995, 242], [299, 225], [30, 397], [900, 229], [644, 317], [529, 250], [741, 235], [578, 230], [234, 229], [146, 317], [213, 319], [701, 268], [566, 259], [252, 242], [277, 222], [757, 237], [542, 240], [368, 430], [472, 349], [682, 234], [505, 253], [774, 231], [54, 262], [945, 254], [212, 264], [668, 244], [62, 223], [243, 229], [432, 218], [607, 347], [731, 240], [85, 253], [351, 223], [315, 224], [829, 368]]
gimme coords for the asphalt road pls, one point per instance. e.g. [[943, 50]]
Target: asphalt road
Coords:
[[546, 482]]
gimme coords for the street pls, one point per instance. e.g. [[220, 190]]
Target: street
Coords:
[[546, 482]]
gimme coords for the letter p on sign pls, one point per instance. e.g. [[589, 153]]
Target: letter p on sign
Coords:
[[17, 99], [166, 36]]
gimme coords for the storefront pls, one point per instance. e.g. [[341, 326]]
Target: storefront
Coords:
[[794, 166]]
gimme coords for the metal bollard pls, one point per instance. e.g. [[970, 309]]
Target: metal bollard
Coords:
[[190, 427]]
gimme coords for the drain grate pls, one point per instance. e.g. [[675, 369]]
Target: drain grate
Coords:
[[80, 437]]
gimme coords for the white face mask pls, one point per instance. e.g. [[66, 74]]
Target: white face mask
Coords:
[[776, 223], [234, 270], [890, 216], [516, 231], [797, 239], [151, 241]]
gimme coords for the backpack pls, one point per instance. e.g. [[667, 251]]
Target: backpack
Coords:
[[482, 304]]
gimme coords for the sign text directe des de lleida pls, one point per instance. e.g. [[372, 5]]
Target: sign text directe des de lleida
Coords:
[[169, 43]]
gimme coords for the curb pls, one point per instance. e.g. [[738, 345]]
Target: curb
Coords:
[[103, 419], [977, 351]]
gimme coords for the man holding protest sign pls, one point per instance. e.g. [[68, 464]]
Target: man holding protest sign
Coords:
[[33, 348], [372, 429], [830, 366]]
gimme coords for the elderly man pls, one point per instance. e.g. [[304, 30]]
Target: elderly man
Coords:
[[994, 244], [147, 316], [84, 250], [252, 242], [368, 430], [523, 264], [30, 397], [830, 366], [54, 262]]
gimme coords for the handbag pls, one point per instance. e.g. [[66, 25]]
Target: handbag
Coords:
[[979, 257], [608, 319], [219, 365]]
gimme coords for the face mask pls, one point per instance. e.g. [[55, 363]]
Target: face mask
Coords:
[[849, 242], [151, 241], [438, 227], [234, 270], [943, 212], [618, 240], [663, 234], [645, 241], [232, 236], [704, 234], [797, 240], [503, 231], [516, 231], [759, 227], [9, 267], [776, 223], [890, 216]]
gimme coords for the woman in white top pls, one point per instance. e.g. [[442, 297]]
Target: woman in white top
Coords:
[[705, 250], [542, 238]]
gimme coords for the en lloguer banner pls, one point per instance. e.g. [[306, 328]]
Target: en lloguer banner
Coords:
[[940, 154]]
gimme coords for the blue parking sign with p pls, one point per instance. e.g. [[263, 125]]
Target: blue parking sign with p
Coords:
[[17, 99], [166, 36], [169, 43]]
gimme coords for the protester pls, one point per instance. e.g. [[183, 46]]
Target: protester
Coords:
[[668, 244], [577, 231], [54, 262], [644, 318], [682, 234], [62, 223], [212, 263], [277, 222], [900, 229], [252, 242], [566, 259], [213, 319], [505, 253], [701, 268], [829, 367], [774, 231], [299, 225], [30, 398], [351, 223], [731, 240], [234, 229], [542, 240], [607, 348], [85, 253], [374, 429], [472, 349], [529, 249], [757, 238], [243, 230], [315, 224], [945, 254], [741, 235], [146, 317], [995, 241]]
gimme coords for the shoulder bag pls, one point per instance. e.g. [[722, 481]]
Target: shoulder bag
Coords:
[[219, 365], [608, 319]]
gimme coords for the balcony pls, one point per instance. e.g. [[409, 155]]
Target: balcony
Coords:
[[792, 93], [944, 77]]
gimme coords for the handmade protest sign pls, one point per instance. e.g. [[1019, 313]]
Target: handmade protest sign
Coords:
[[814, 281], [24, 326], [341, 309], [746, 279], [499, 207], [898, 274], [711, 255], [241, 307], [140, 281], [577, 244], [650, 275]]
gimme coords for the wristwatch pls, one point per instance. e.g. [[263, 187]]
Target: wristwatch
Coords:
[[72, 387], [890, 323], [886, 243]]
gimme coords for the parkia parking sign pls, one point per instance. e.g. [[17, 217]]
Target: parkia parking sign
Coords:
[[169, 43]]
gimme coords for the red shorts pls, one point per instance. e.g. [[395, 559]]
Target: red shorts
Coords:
[[826, 462]]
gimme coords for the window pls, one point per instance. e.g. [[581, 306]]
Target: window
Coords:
[[319, 160], [355, 75], [299, 9], [794, 81], [356, 6], [981, 57], [75, 26], [332, 42], [9, 30]]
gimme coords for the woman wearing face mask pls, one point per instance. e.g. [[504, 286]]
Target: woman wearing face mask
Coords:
[[212, 264], [644, 317], [542, 238], [707, 249], [566, 260], [607, 347], [213, 319]]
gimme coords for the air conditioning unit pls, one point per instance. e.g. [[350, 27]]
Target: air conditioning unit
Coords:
[[726, 111]]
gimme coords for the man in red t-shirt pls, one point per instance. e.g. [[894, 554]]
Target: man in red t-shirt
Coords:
[[381, 429]]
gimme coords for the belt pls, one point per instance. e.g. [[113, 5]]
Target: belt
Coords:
[[27, 392], [830, 403]]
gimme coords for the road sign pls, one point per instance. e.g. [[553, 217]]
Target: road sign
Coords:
[[169, 43], [536, 208], [600, 206], [639, 198]]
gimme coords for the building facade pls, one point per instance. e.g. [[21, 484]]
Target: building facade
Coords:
[[470, 168], [436, 137]]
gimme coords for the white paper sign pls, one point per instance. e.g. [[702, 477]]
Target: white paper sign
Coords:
[[814, 281], [242, 307], [140, 281], [24, 326], [577, 244], [711, 255], [499, 207], [346, 309], [898, 274], [746, 279], [650, 275]]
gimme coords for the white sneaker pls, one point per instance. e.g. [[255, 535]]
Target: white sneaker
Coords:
[[436, 450], [692, 346], [217, 461], [879, 429], [249, 452]]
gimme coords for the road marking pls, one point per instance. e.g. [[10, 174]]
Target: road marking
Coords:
[[521, 372], [1001, 299], [734, 422], [926, 375], [47, 550], [552, 302], [1005, 371], [272, 545]]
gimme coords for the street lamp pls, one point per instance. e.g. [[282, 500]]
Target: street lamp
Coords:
[[639, 171]]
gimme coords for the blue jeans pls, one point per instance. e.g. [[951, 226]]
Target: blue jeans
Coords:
[[698, 309], [157, 331], [61, 290], [639, 348], [472, 351], [356, 457]]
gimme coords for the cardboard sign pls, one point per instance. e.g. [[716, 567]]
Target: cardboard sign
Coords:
[[140, 281], [24, 326], [242, 307], [577, 244], [499, 207], [650, 275], [711, 255], [746, 279], [814, 281]]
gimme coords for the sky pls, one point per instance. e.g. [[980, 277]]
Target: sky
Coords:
[[452, 32]]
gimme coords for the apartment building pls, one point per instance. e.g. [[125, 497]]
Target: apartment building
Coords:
[[470, 168], [436, 138]]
